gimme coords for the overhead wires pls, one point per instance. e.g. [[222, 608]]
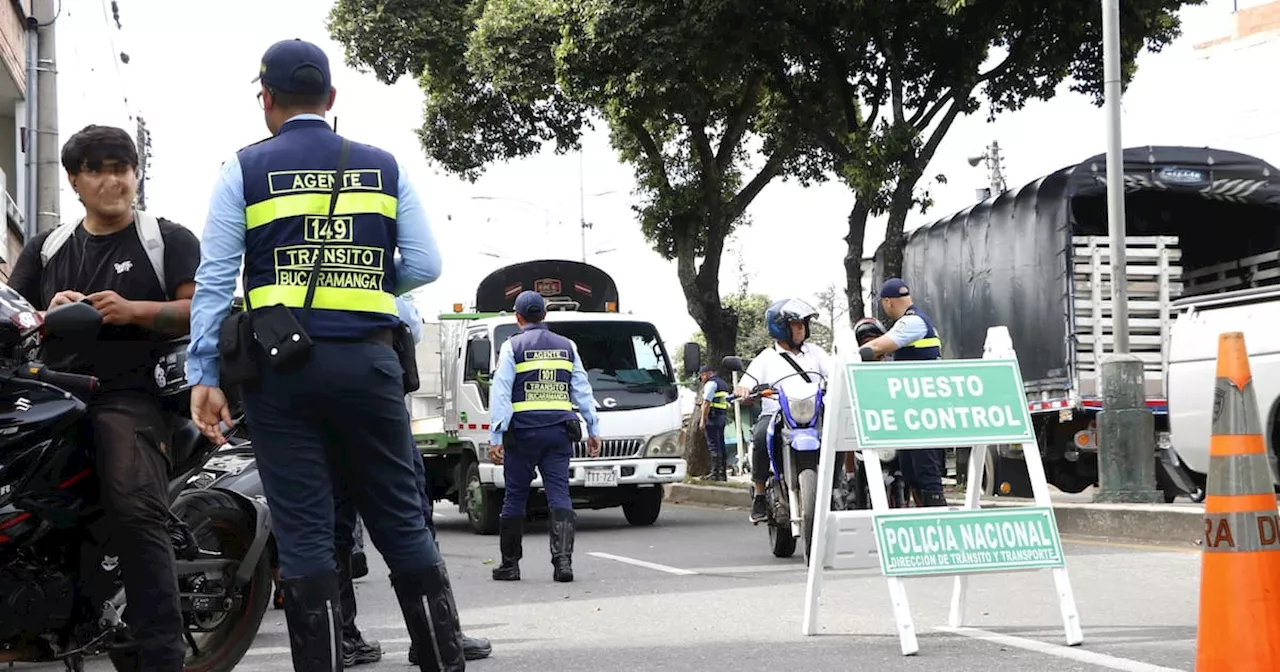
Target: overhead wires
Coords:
[[111, 15]]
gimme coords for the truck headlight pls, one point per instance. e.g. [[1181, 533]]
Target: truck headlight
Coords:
[[664, 445]]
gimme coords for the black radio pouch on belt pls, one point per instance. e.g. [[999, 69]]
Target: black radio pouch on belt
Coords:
[[283, 338], [406, 349]]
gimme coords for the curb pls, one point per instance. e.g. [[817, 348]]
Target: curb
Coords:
[[1149, 523]]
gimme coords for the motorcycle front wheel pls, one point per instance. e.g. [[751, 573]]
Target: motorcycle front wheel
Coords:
[[808, 504], [220, 525], [780, 539]]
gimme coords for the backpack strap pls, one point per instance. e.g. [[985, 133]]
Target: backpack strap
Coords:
[[55, 240], [148, 233], [153, 242]]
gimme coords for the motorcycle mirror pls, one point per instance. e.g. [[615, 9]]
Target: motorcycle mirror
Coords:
[[733, 363], [73, 321]]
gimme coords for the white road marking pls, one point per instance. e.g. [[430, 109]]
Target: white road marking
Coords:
[[643, 563], [1069, 653], [750, 569]]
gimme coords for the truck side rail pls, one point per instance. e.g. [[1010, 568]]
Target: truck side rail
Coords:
[[1235, 297]]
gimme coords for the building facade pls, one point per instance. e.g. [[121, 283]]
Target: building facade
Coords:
[[13, 88]]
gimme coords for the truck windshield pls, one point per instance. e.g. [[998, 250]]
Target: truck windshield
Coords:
[[625, 361]]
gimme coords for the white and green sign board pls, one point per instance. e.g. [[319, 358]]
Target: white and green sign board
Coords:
[[936, 404], [968, 542]]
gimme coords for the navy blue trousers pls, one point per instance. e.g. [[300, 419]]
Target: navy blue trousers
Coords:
[[922, 468], [345, 523], [339, 418], [549, 450], [715, 434]]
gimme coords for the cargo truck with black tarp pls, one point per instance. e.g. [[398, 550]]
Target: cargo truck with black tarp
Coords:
[[1036, 259]]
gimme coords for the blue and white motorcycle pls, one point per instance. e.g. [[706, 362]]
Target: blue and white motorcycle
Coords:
[[794, 442]]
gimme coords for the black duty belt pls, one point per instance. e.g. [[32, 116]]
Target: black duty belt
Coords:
[[377, 336]]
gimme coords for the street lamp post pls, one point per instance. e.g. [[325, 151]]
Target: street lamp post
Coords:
[[1126, 428]]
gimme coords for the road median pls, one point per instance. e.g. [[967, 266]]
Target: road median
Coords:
[[1167, 524]]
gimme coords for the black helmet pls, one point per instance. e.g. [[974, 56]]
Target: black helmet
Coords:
[[866, 330]]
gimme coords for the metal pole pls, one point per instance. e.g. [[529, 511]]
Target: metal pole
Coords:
[[737, 424], [32, 122], [48, 163], [582, 207], [1115, 176], [144, 143], [1126, 427]]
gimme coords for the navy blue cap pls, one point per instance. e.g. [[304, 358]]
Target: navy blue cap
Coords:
[[894, 288], [530, 305], [706, 368], [283, 68]]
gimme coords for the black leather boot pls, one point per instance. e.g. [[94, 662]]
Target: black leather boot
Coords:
[[426, 600], [355, 650], [312, 609], [562, 528], [511, 545], [473, 648], [935, 499]]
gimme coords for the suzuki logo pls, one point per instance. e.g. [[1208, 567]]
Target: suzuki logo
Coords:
[[22, 404], [609, 402]]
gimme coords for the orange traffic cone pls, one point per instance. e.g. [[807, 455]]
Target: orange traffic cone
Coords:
[[1240, 566]]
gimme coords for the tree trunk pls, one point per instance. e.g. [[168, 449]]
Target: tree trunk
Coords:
[[854, 241], [894, 241], [720, 344]]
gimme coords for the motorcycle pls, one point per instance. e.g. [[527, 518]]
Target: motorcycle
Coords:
[[793, 440], [61, 594], [867, 330]]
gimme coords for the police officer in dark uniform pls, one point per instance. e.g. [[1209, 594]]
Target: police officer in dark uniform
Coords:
[[538, 381], [912, 338], [715, 415], [334, 412]]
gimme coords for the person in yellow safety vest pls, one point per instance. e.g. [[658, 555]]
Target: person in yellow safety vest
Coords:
[[328, 224], [715, 414], [912, 338]]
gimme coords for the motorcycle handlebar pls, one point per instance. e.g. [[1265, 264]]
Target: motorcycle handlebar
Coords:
[[71, 382]]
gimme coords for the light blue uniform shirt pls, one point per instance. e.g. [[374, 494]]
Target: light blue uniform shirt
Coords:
[[409, 315], [222, 248], [504, 379], [709, 391], [908, 329]]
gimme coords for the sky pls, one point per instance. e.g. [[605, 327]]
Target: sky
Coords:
[[189, 72]]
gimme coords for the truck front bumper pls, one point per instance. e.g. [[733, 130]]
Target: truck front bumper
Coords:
[[628, 472]]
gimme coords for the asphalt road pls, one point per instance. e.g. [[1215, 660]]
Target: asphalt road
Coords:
[[700, 591]]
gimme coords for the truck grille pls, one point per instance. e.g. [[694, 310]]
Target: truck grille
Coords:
[[611, 449]]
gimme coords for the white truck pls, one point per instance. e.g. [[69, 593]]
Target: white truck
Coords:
[[1193, 352], [630, 373], [1036, 259]]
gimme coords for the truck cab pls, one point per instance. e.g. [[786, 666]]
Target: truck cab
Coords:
[[1193, 355], [632, 380]]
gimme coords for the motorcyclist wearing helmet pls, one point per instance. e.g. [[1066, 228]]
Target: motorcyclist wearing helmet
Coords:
[[788, 321]]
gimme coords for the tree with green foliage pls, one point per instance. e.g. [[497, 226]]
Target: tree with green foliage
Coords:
[[874, 87], [753, 335], [677, 83]]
